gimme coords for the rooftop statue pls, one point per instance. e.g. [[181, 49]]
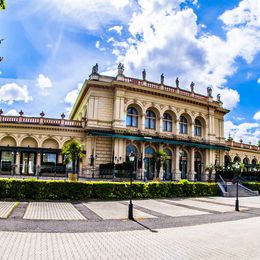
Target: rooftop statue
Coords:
[[95, 69], [218, 98], [209, 91], [144, 74], [192, 84], [177, 82], [120, 69], [162, 79]]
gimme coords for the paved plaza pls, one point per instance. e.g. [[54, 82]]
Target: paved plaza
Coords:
[[194, 228]]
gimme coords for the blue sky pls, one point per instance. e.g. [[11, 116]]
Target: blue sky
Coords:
[[50, 47]]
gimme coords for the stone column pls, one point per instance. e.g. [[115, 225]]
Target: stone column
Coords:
[[191, 174], [17, 162], [192, 129], [142, 158], [143, 122], [160, 128], [178, 126], [38, 163], [177, 174]]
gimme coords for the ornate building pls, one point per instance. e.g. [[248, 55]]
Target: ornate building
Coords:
[[114, 116]]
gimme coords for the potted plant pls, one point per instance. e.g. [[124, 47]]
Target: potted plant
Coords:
[[73, 153]]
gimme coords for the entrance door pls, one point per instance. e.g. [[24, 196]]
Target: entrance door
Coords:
[[149, 168], [28, 163], [197, 166], [183, 168]]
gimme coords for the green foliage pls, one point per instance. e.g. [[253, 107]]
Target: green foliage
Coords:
[[72, 151], [2, 4], [252, 186], [64, 190]]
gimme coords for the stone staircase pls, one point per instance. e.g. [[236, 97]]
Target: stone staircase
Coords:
[[228, 189]]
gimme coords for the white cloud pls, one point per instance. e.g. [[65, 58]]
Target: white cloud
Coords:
[[116, 28], [182, 50], [91, 14], [44, 83], [98, 46], [11, 92], [12, 112], [248, 132], [258, 80], [71, 97], [257, 115]]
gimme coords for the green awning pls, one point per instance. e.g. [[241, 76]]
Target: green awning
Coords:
[[161, 140]]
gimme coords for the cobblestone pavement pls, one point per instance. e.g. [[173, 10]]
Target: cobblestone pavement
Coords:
[[52, 211], [226, 240], [6, 208]]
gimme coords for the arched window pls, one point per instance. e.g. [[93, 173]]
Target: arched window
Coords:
[[183, 125], [132, 117], [197, 127], [167, 122], [150, 120], [254, 161], [245, 161], [131, 149], [227, 160], [237, 159], [167, 151], [149, 151]]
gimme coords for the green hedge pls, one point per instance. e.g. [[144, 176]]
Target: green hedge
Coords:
[[64, 190], [252, 186]]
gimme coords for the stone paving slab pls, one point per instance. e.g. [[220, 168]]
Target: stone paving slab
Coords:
[[244, 202], [52, 211], [228, 240], [204, 205], [6, 208], [167, 209], [115, 210]]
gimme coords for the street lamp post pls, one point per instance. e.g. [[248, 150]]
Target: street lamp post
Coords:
[[130, 207], [237, 166], [92, 163]]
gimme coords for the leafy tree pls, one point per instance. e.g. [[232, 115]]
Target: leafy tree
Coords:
[[159, 157], [2, 4], [258, 144], [72, 152]]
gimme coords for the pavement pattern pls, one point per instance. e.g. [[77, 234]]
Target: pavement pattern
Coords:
[[194, 228], [226, 240], [52, 211], [6, 208]]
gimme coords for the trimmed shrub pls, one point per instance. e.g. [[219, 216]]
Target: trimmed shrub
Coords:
[[64, 190], [252, 186]]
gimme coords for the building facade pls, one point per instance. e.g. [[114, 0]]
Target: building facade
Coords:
[[114, 116]]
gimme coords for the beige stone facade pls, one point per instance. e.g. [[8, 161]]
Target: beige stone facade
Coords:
[[114, 116]]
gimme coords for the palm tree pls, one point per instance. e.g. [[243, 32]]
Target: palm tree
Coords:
[[2, 4], [72, 152], [159, 157]]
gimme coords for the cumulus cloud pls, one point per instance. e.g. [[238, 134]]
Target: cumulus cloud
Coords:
[[183, 50], [99, 47], [258, 81], [116, 28], [257, 115], [11, 92], [71, 97], [12, 112], [43, 83], [248, 132], [94, 14]]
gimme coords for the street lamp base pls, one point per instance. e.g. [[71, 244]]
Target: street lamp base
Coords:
[[237, 205], [130, 211]]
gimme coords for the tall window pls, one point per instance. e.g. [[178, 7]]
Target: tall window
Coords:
[[150, 120], [132, 117], [197, 128], [183, 125], [167, 122]]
